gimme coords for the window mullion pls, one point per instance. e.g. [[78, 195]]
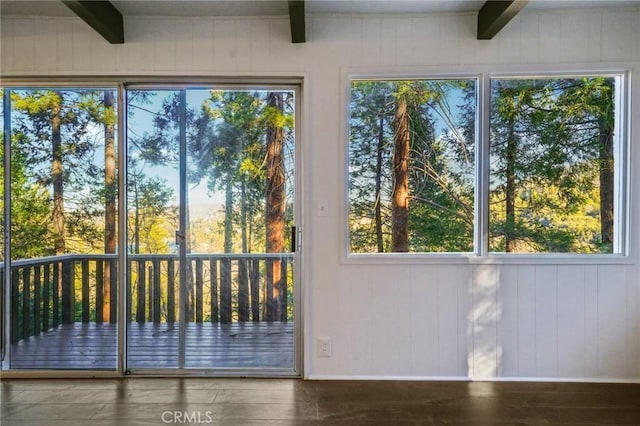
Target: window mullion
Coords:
[[621, 166], [482, 167]]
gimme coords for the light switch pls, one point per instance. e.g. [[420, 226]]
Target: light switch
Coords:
[[323, 208]]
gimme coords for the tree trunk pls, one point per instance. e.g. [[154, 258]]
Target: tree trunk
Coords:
[[110, 199], [378, 205], [136, 231], [57, 176], [400, 194], [243, 216], [510, 220], [275, 202]]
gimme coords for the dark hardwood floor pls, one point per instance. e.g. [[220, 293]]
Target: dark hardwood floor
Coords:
[[146, 401], [93, 346]]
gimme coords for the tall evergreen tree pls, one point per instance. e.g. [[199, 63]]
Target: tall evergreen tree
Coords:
[[371, 138], [227, 147], [111, 192], [401, 160], [275, 195]]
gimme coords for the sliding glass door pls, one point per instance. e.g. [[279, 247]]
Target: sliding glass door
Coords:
[[211, 235], [171, 249]]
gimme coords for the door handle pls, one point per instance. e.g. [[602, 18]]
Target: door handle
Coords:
[[293, 239]]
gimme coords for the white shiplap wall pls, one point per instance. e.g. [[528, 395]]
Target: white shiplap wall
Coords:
[[487, 321]]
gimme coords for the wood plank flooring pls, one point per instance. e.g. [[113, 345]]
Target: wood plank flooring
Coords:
[[136, 401], [93, 346]]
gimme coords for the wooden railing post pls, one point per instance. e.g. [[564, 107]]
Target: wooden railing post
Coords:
[[268, 300], [56, 294], [37, 300], [85, 290], [284, 262], [129, 292], [140, 317], [113, 293], [15, 326], [243, 291], [254, 278], [68, 302], [225, 290], [199, 285], [150, 293], [99, 290], [156, 291], [113, 290], [26, 302], [171, 291], [213, 279], [46, 297]]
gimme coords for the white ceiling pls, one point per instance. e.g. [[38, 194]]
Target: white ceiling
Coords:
[[279, 7]]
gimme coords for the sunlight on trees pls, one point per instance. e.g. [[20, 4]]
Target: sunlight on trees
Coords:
[[552, 175], [412, 165]]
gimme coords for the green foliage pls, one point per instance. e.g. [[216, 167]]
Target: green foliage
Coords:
[[228, 146], [30, 210], [551, 161], [546, 138], [151, 219], [81, 115], [276, 118]]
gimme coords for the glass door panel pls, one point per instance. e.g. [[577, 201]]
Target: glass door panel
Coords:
[[240, 174], [211, 214], [63, 209]]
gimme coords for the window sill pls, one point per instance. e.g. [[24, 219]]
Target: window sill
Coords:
[[491, 259]]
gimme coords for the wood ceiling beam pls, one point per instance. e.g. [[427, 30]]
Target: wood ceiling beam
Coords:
[[495, 14], [102, 16], [297, 20]]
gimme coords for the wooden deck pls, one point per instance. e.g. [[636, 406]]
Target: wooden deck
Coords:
[[248, 345]]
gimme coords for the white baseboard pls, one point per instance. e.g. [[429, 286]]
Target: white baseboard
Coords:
[[474, 379]]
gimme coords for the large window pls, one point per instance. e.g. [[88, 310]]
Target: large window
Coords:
[[411, 165], [553, 160], [549, 178]]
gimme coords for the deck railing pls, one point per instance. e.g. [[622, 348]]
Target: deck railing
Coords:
[[49, 291]]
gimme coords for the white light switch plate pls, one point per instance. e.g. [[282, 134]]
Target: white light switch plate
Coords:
[[323, 208]]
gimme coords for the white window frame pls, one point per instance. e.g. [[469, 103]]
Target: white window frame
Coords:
[[481, 255]]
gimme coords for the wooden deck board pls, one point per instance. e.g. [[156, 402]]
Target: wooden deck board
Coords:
[[93, 346]]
